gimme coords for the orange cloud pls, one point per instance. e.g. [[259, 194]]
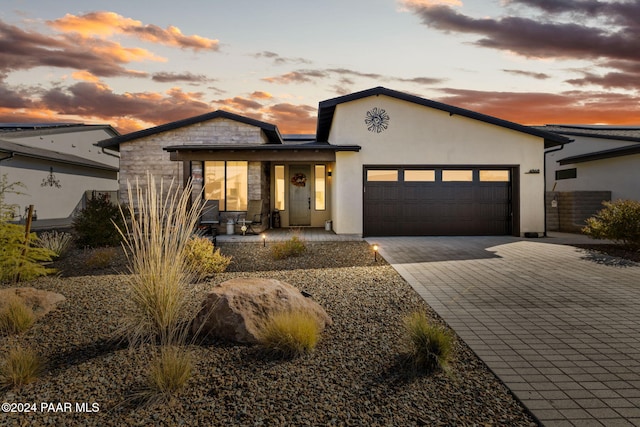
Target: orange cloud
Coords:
[[94, 23], [104, 23], [85, 76], [258, 94]]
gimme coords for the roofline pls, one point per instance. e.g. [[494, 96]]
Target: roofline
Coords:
[[599, 135], [326, 110], [57, 129], [272, 132], [263, 147], [41, 154], [600, 155]]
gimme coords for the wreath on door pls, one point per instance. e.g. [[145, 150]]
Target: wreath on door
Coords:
[[299, 180]]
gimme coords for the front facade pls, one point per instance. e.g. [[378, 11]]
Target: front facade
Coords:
[[59, 165], [382, 163]]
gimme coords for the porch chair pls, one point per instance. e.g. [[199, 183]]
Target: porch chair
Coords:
[[252, 217], [209, 217]]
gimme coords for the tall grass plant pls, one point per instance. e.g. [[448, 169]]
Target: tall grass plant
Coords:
[[161, 220]]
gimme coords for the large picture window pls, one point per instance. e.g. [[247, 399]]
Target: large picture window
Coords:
[[226, 182]]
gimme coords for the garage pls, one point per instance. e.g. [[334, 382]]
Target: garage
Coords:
[[438, 200]]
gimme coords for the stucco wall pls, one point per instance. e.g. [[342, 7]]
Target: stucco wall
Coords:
[[52, 202], [419, 135], [619, 174]]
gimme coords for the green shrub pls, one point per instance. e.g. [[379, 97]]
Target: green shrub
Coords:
[[431, 345], [155, 239], [20, 262], [292, 247], [289, 333], [101, 258], [16, 316], [618, 221], [20, 366], [97, 224], [58, 243], [205, 259], [168, 374]]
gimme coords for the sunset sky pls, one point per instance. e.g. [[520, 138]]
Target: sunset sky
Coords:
[[139, 63]]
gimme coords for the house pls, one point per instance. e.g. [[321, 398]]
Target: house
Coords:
[[382, 163], [59, 164], [602, 163]]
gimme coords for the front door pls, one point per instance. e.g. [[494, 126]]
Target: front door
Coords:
[[300, 195]]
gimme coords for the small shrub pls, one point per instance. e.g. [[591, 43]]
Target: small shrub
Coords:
[[618, 221], [101, 258], [205, 259], [20, 262], [58, 243], [20, 366], [168, 374], [289, 333], [292, 247], [16, 317], [431, 344], [97, 224]]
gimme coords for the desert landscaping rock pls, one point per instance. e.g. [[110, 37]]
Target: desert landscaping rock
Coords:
[[40, 301], [235, 309], [355, 377]]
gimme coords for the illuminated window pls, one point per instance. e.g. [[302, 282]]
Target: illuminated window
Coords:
[[226, 182], [382, 175], [320, 187], [457, 175], [494, 176], [419, 175], [279, 190]]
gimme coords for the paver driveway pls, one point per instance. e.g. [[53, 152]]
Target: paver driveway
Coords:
[[561, 329]]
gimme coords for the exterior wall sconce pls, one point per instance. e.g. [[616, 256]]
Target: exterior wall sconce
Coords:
[[329, 173], [51, 180]]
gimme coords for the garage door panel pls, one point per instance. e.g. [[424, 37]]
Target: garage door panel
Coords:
[[437, 208]]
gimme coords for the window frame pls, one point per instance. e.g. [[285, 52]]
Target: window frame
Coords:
[[224, 202], [324, 186]]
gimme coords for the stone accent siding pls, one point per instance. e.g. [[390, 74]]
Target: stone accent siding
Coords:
[[147, 155], [573, 208]]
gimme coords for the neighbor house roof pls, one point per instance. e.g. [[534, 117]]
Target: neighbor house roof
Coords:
[[604, 154], [13, 149], [271, 131], [327, 108], [13, 130], [619, 133]]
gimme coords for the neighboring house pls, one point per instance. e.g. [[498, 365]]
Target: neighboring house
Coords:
[[382, 163], [58, 164], [602, 163]]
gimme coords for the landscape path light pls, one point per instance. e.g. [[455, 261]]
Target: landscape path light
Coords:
[[375, 252], [264, 240]]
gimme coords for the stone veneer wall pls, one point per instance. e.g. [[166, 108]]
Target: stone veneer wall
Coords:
[[144, 155], [573, 208]]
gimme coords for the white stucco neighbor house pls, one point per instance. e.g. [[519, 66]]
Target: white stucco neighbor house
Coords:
[[601, 158], [382, 163], [601, 164], [58, 163]]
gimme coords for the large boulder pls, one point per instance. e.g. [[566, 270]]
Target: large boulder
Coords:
[[235, 309], [40, 301]]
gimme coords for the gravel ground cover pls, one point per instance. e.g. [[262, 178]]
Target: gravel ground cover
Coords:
[[356, 376]]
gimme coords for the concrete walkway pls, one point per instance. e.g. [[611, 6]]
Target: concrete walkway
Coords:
[[560, 328]]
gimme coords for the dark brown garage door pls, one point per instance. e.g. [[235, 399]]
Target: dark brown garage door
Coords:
[[437, 201]]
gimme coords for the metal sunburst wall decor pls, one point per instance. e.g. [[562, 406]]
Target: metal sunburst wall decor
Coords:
[[377, 120]]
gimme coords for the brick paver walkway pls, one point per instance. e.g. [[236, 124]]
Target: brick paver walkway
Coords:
[[560, 329]]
